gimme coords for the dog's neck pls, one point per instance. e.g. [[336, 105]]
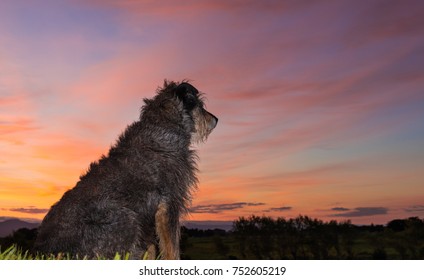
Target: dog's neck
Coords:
[[171, 138]]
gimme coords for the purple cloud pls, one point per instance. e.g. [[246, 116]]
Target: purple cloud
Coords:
[[30, 210], [415, 208], [218, 208], [280, 209], [363, 212], [340, 209]]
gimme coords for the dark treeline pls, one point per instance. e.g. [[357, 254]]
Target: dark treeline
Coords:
[[306, 238], [298, 238], [24, 238]]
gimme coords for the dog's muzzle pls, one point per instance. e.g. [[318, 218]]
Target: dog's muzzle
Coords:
[[213, 121]]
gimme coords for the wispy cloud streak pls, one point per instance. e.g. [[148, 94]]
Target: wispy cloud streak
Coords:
[[362, 212], [30, 210], [218, 208]]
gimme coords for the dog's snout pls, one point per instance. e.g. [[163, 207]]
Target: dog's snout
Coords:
[[213, 121]]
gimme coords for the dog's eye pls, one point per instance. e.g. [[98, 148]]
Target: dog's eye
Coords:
[[187, 94], [189, 102]]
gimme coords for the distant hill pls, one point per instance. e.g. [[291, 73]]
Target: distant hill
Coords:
[[9, 226], [205, 225]]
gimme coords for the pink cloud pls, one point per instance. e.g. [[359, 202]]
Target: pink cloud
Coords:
[[190, 9], [382, 20]]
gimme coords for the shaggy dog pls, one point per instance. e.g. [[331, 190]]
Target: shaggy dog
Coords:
[[131, 200]]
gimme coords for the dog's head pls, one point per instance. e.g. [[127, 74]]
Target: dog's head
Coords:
[[193, 105], [176, 106]]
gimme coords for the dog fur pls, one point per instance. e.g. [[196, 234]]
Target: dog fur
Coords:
[[132, 200]]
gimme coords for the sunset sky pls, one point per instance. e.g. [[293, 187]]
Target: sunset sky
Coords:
[[320, 103]]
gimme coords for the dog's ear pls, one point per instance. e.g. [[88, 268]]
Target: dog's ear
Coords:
[[187, 94]]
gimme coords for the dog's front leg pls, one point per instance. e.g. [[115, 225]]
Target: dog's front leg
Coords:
[[167, 229]]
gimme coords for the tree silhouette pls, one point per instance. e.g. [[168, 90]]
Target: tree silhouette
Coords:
[[24, 238], [397, 225], [298, 238]]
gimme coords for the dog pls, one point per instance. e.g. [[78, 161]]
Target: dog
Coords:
[[131, 201]]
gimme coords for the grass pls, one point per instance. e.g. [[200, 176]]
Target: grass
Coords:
[[15, 253], [204, 248]]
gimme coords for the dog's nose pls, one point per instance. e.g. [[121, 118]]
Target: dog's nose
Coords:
[[213, 122]]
